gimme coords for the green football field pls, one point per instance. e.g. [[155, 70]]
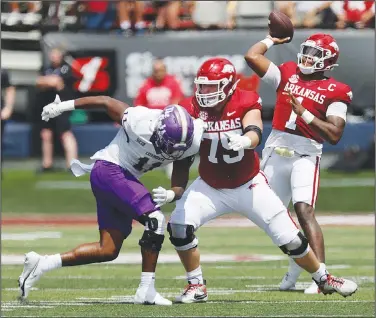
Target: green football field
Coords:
[[26, 192], [241, 266]]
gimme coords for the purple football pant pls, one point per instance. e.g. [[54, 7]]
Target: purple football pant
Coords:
[[120, 197]]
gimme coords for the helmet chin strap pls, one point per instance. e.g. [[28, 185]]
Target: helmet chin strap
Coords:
[[306, 70]]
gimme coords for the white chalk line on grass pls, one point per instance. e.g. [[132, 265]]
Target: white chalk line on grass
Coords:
[[358, 279], [135, 258]]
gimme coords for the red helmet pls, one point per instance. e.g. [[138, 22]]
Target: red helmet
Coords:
[[321, 50], [219, 75]]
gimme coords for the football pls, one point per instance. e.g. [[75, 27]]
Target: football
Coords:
[[280, 26]]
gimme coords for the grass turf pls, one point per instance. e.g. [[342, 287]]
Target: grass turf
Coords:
[[26, 192], [235, 288]]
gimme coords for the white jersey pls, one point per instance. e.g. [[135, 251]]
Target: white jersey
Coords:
[[131, 148]]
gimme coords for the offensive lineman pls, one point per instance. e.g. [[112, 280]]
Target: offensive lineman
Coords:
[[146, 140], [310, 108], [230, 180]]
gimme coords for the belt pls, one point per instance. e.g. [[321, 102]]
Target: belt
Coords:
[[287, 153]]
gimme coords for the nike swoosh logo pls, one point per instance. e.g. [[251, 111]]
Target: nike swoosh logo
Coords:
[[199, 297], [321, 89], [232, 113]]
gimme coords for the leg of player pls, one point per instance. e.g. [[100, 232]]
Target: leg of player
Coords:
[[151, 244], [182, 233], [313, 232], [271, 216], [35, 265], [120, 199], [185, 242], [327, 283], [304, 181]]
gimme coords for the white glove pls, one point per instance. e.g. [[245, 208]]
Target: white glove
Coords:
[[161, 196], [56, 108], [237, 142]]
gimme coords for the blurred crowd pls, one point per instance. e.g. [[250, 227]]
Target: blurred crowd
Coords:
[[138, 17]]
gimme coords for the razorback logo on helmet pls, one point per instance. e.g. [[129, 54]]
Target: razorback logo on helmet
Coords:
[[335, 46], [350, 94], [228, 69]]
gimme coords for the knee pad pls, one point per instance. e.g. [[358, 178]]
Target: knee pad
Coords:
[[182, 236], [151, 240], [153, 236], [297, 248]]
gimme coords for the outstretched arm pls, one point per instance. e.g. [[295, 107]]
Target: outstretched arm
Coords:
[[255, 56], [114, 107]]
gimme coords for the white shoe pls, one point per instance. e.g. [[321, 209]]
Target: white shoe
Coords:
[[193, 293], [149, 296], [289, 280], [31, 273], [312, 289], [31, 18], [332, 284], [14, 18]]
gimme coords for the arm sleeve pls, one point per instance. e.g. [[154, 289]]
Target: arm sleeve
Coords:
[[338, 109], [272, 76]]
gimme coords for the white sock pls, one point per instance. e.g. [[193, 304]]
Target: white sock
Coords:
[[321, 274], [50, 262], [294, 269], [140, 25], [195, 276], [147, 279], [125, 25]]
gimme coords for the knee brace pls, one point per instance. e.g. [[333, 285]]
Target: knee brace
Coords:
[[182, 236], [297, 248], [153, 236]]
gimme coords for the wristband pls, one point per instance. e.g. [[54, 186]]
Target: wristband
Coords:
[[268, 42], [67, 105], [307, 116]]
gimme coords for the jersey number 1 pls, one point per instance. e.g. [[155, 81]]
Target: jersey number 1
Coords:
[[291, 123]]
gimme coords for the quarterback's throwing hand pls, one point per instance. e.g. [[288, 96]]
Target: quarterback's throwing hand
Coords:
[[161, 196], [52, 110], [237, 142]]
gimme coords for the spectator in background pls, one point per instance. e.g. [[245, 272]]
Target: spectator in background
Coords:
[[31, 18], [306, 14], [99, 15], [158, 91], [124, 10], [8, 95], [167, 14], [356, 14], [54, 79]]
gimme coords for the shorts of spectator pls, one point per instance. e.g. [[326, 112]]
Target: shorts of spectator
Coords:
[[167, 14], [99, 15], [125, 8]]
